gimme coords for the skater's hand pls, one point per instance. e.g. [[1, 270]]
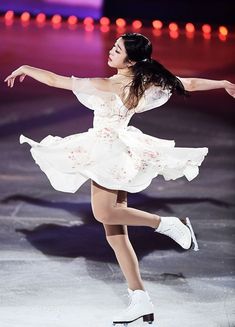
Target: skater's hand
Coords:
[[11, 78], [230, 88]]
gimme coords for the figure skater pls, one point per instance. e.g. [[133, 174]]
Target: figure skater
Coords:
[[118, 158]]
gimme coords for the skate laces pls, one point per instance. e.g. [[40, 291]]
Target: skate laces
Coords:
[[179, 233], [178, 230], [175, 229]]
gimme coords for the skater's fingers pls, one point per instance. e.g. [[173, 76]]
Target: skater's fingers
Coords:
[[231, 91], [13, 75], [7, 78], [12, 82]]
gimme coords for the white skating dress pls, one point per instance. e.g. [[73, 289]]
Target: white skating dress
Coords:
[[113, 154]]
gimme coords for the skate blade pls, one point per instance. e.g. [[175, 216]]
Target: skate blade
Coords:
[[194, 240], [148, 319]]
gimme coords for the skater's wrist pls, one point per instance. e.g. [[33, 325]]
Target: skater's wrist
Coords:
[[25, 69], [226, 84]]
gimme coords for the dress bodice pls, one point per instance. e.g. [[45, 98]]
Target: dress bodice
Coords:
[[108, 107]]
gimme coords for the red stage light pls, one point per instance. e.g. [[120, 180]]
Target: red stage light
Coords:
[[157, 24], [88, 21], [157, 32], [105, 21], [56, 19], [120, 30], [223, 30], [41, 18], [189, 35], [137, 24], [222, 37], [89, 28], [173, 27], [9, 15], [174, 34], [207, 36], [190, 28], [72, 20], [25, 17], [104, 28], [120, 22], [206, 28]]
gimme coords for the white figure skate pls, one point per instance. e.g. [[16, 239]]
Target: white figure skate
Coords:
[[140, 306], [180, 230]]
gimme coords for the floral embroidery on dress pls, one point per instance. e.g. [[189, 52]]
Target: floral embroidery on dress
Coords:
[[80, 157], [119, 173], [106, 134], [147, 155], [150, 154]]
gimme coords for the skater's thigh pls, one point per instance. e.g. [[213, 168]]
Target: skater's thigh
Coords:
[[110, 198], [103, 200], [122, 199]]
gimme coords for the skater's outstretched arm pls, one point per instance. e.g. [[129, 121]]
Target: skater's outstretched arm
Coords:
[[202, 84], [52, 79], [41, 75]]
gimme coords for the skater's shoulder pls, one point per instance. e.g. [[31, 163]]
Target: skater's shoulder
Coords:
[[101, 83], [108, 84]]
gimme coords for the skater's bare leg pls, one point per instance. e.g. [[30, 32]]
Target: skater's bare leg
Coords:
[[125, 255], [117, 237], [105, 210]]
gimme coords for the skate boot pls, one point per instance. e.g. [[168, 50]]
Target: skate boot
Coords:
[[140, 306], [179, 230]]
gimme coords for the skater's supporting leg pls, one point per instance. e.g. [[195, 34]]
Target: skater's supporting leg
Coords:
[[140, 305], [117, 237], [125, 255]]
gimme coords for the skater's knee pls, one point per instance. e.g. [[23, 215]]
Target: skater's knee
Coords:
[[114, 230], [117, 241], [103, 215]]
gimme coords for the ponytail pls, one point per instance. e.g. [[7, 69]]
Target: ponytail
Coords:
[[149, 72]]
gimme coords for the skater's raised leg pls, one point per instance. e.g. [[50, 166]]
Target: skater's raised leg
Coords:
[[105, 210]]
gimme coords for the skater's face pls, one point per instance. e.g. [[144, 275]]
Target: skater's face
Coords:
[[118, 56]]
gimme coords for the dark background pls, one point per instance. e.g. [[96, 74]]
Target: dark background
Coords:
[[212, 11]]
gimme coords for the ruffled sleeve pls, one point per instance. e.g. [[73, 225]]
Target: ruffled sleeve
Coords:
[[84, 91], [153, 97]]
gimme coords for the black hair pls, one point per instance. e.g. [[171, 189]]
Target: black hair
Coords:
[[147, 71]]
